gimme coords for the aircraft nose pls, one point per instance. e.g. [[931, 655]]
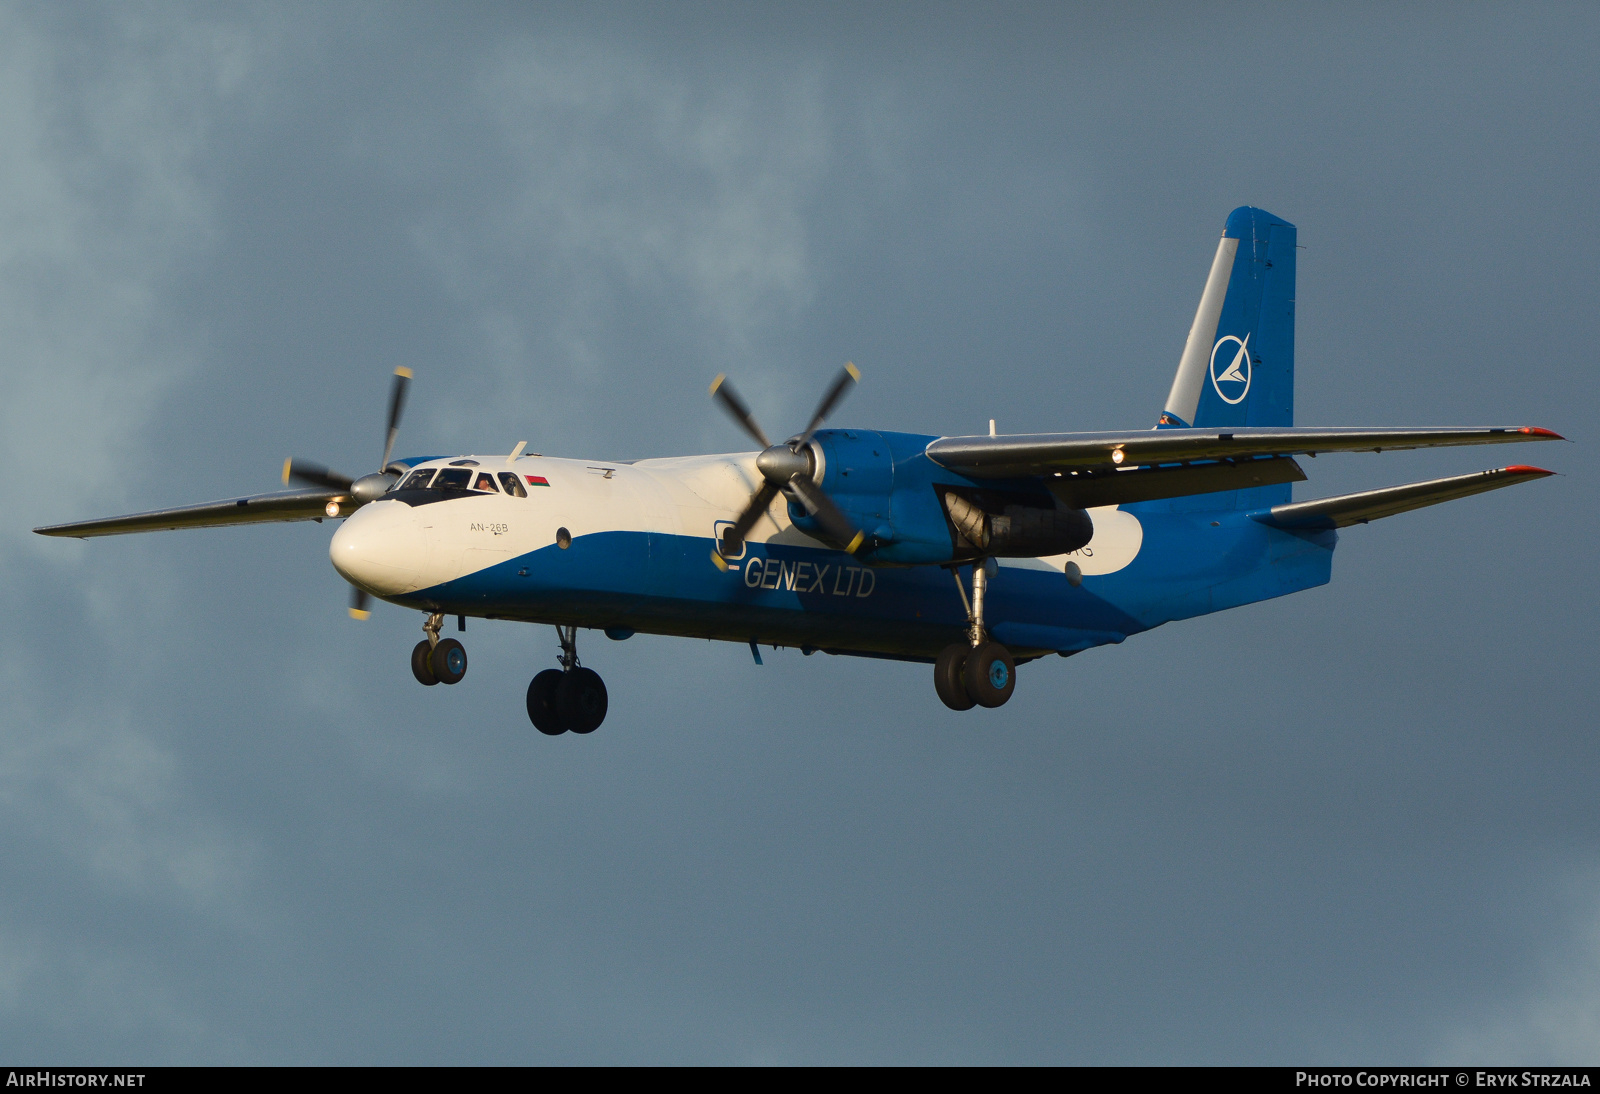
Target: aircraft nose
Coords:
[[379, 548]]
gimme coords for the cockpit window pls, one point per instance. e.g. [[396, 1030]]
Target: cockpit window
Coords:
[[486, 482], [512, 484], [417, 480], [453, 478]]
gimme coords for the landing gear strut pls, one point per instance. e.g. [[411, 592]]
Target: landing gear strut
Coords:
[[437, 660], [979, 671], [569, 699]]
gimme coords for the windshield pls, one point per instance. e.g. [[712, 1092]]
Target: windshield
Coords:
[[417, 480], [453, 478], [512, 484]]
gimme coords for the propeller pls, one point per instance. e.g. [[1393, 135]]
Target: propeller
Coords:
[[787, 469], [367, 487]]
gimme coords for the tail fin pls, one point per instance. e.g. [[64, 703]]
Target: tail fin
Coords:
[[1237, 367], [1238, 364]]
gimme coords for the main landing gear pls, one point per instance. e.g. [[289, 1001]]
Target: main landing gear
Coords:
[[568, 699], [437, 660], [979, 671]]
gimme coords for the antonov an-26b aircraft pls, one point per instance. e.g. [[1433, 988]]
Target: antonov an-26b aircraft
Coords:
[[976, 554]]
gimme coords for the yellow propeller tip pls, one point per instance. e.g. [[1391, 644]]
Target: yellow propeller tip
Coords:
[[721, 376], [855, 543], [358, 613], [855, 373], [286, 464], [719, 562], [403, 371]]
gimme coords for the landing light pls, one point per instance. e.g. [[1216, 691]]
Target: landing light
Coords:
[[332, 509], [1117, 455]]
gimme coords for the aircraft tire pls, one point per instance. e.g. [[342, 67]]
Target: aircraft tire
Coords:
[[990, 674], [542, 703], [419, 664], [448, 661], [581, 700], [947, 677]]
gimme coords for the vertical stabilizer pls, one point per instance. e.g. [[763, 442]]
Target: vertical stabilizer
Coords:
[[1237, 367]]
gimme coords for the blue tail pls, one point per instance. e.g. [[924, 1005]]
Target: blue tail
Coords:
[[1237, 367]]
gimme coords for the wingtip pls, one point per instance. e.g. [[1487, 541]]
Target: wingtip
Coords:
[[1525, 469], [1542, 434]]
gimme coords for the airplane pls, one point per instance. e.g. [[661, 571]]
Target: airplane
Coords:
[[975, 554]]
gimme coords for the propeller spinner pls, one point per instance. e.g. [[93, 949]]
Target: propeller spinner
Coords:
[[367, 487], [787, 469]]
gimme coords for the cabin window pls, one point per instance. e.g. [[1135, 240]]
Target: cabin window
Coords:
[[417, 480], [485, 481], [512, 484], [453, 478]]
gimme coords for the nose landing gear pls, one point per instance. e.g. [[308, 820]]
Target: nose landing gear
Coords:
[[979, 671], [570, 699], [437, 660]]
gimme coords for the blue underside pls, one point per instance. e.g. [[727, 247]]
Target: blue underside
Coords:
[[1190, 564]]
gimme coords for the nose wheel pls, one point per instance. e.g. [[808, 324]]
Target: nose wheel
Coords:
[[571, 699], [437, 660], [979, 671]]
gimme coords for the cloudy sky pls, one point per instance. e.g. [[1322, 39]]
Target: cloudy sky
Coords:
[[1354, 825]]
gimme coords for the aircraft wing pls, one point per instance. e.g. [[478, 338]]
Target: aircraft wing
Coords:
[[1025, 455], [281, 505], [1369, 505]]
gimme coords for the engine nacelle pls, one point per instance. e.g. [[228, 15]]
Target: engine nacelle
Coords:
[[1006, 529], [917, 513]]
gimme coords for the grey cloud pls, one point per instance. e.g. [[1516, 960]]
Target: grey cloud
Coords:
[[1353, 825]]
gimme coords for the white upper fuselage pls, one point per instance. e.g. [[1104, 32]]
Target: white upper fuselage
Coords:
[[391, 548]]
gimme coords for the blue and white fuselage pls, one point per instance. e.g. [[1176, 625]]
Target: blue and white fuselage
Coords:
[[624, 547]]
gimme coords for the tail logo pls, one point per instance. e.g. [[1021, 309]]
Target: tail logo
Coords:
[[1232, 384]]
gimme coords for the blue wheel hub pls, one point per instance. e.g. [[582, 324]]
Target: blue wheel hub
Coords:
[[999, 675]]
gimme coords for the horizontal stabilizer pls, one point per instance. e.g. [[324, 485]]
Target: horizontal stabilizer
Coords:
[[282, 505], [1089, 489], [1369, 505], [1025, 455]]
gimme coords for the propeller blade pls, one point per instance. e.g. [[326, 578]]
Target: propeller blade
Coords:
[[315, 474], [759, 501], [848, 377], [397, 403], [358, 603], [723, 392], [733, 538], [822, 509]]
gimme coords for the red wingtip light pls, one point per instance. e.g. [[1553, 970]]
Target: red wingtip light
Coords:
[[1524, 469], [1535, 431]]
